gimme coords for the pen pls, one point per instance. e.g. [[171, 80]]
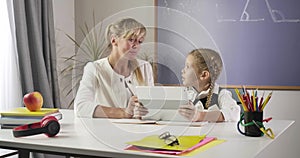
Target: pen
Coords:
[[132, 94]]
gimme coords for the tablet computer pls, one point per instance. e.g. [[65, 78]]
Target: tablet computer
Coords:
[[162, 102], [162, 97]]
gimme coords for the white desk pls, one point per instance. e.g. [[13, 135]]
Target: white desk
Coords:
[[101, 137]]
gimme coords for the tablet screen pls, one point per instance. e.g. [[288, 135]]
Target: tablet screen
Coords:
[[162, 97]]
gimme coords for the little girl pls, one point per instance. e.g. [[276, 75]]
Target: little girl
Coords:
[[208, 103]]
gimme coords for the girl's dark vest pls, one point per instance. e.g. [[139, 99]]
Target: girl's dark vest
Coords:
[[214, 100]]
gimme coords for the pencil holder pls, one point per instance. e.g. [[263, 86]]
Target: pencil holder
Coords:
[[248, 120]]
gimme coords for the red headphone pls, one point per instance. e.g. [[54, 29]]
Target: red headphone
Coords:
[[49, 125]]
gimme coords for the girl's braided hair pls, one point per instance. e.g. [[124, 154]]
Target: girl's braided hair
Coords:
[[209, 60]]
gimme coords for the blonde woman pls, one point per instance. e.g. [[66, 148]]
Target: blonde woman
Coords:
[[107, 86], [208, 102]]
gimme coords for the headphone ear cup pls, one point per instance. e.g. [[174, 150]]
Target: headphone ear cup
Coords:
[[50, 126]]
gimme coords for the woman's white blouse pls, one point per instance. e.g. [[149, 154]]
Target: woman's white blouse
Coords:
[[227, 105], [101, 85]]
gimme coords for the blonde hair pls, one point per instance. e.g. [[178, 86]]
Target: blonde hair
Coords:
[[126, 28], [207, 60]]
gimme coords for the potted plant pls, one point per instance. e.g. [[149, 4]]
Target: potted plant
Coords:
[[90, 49]]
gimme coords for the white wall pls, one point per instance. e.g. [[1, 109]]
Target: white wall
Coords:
[[284, 105], [64, 24], [110, 10]]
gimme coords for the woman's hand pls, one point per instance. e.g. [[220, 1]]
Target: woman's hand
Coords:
[[131, 104], [189, 111], [139, 110], [135, 108]]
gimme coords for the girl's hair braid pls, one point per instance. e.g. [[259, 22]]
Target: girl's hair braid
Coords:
[[209, 60]]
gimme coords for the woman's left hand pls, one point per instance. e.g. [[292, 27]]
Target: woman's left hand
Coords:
[[189, 111]]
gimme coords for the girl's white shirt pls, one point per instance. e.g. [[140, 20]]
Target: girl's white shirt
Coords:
[[227, 105], [101, 85]]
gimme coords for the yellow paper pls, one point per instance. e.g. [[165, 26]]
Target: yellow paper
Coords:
[[23, 111], [204, 147], [153, 141]]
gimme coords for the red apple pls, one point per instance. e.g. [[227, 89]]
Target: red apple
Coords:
[[33, 101]]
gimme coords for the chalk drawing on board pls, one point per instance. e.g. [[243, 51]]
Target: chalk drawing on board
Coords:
[[246, 16], [278, 16]]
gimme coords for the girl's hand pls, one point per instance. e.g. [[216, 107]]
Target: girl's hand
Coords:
[[189, 111]]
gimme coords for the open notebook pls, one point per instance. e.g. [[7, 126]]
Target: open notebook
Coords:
[[157, 122]]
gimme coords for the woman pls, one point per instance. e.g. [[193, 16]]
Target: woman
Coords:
[[106, 88]]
